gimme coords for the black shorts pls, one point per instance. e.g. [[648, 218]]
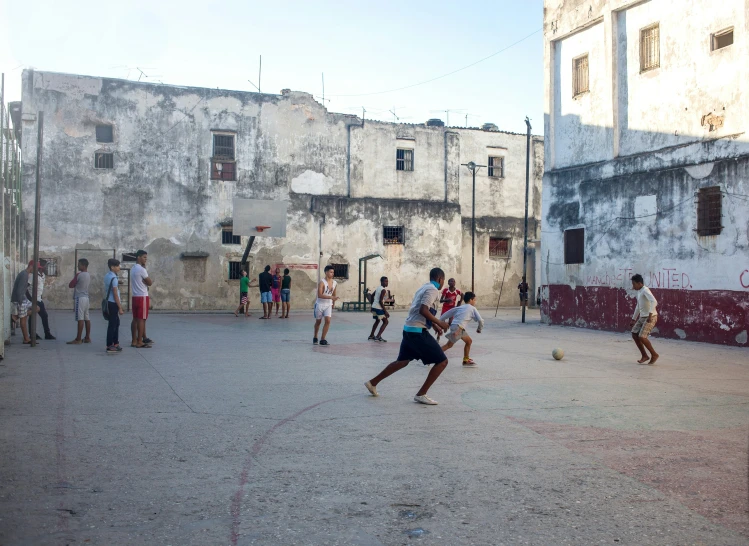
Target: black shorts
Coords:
[[420, 346]]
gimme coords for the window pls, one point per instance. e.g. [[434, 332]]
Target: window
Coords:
[[722, 39], [228, 237], [650, 48], [393, 235], [104, 133], [103, 160], [499, 247], [709, 211], [223, 166], [128, 257], [50, 266], [580, 80], [574, 246], [340, 271], [404, 160], [497, 167], [235, 271]]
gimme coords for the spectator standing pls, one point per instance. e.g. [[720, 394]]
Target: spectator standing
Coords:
[[20, 304], [140, 281], [80, 285], [39, 303], [265, 282], [111, 287]]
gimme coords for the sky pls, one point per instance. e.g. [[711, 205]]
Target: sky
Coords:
[[364, 49]]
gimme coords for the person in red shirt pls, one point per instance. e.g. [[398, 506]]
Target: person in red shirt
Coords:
[[451, 296]]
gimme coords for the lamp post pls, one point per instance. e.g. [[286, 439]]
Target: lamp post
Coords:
[[473, 168], [527, 184]]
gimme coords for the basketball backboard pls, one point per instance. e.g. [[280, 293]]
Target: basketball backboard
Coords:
[[251, 214]]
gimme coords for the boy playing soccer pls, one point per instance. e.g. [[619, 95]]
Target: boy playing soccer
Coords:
[[459, 317], [80, 284], [417, 343], [324, 304], [644, 319], [450, 296], [378, 310]]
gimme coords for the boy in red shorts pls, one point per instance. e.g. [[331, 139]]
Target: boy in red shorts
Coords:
[[140, 281], [450, 297]]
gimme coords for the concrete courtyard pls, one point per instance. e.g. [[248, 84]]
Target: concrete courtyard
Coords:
[[239, 431]]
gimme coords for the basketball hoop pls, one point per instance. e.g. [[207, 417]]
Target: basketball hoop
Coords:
[[260, 229]]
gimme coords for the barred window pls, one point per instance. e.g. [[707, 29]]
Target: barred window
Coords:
[[499, 247], [223, 147], [574, 246], [650, 48], [497, 167], [404, 160], [228, 237], [223, 170], [104, 133], [340, 271], [235, 271], [580, 76], [393, 235], [709, 211], [50, 266], [103, 160]]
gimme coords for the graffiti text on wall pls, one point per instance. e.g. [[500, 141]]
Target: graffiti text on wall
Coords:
[[670, 278]]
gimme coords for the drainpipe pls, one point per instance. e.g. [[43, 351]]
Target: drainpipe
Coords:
[[348, 154], [444, 133]]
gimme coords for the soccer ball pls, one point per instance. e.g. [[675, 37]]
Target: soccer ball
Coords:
[[558, 354]]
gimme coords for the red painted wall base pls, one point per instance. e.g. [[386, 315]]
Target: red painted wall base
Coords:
[[711, 316]]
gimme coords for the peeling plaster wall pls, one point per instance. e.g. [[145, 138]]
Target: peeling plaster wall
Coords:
[[160, 197], [635, 193]]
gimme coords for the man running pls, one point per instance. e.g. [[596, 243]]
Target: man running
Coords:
[[417, 343], [379, 313], [644, 320]]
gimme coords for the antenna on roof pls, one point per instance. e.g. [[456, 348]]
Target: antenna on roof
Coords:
[[259, 73], [447, 113]]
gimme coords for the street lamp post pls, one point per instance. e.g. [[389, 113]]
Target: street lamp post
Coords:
[[527, 186], [473, 168]]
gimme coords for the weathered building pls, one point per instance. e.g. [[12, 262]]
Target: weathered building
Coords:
[[129, 165], [647, 164]]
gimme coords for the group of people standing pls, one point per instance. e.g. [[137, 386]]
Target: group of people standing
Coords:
[[274, 289]]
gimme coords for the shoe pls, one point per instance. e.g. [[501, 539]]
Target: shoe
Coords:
[[470, 364], [424, 399], [148, 340], [371, 388], [74, 342], [324, 342], [371, 338], [381, 340], [112, 350], [38, 337], [314, 341], [49, 336]]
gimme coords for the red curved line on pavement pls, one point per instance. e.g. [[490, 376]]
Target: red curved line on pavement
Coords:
[[236, 503]]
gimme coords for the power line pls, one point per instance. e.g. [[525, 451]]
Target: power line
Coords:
[[443, 75]]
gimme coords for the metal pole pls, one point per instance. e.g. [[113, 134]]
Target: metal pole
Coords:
[[527, 186], [259, 74], [473, 228], [37, 212]]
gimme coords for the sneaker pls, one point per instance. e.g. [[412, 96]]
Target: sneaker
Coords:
[[148, 340], [371, 338], [314, 341], [112, 350], [470, 364], [371, 388], [324, 342], [49, 336], [424, 399], [380, 339]]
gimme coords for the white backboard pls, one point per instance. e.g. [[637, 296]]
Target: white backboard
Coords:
[[250, 213]]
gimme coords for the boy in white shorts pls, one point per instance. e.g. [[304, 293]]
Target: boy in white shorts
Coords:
[[324, 304], [459, 317], [80, 284]]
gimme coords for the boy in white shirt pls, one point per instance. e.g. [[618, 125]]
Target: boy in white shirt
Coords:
[[458, 318], [644, 320], [379, 313], [326, 298]]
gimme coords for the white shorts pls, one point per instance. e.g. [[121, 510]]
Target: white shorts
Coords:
[[81, 308], [322, 311], [455, 334]]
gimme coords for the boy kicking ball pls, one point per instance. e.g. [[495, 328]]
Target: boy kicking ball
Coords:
[[458, 318], [378, 311], [417, 343]]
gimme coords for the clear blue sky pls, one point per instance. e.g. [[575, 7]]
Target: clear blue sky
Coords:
[[362, 47]]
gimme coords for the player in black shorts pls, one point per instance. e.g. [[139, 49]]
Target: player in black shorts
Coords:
[[417, 343]]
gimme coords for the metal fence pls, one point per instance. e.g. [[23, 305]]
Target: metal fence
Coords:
[[14, 251]]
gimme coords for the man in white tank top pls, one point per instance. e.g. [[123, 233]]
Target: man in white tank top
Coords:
[[326, 297]]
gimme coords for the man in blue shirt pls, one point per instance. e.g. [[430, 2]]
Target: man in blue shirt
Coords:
[[111, 283]]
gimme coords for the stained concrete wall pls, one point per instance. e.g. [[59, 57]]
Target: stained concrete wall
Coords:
[[336, 172], [635, 191]]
